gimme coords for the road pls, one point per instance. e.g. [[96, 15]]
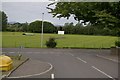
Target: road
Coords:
[[72, 63]]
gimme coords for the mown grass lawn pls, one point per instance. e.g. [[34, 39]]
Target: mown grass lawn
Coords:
[[16, 39]]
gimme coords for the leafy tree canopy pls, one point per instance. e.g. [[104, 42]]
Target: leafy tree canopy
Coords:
[[102, 13], [37, 25]]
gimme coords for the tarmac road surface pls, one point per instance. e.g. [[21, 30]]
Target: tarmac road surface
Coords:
[[72, 63]]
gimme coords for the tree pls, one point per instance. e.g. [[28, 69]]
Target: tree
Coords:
[[68, 28], [0, 21], [37, 25], [25, 27], [97, 13], [4, 20], [15, 27], [49, 27]]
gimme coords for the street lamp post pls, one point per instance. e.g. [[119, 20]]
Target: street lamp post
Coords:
[[42, 30]]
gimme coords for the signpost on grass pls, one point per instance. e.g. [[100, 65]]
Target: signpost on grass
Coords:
[[61, 32]]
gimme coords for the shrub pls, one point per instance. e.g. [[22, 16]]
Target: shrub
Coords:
[[23, 34], [51, 43], [117, 43]]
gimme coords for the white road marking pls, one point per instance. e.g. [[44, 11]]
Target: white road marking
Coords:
[[51, 67], [102, 72], [71, 54], [11, 52], [52, 76], [36, 52], [81, 59], [107, 58]]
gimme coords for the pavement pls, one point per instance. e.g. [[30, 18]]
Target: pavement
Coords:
[[32, 68], [71, 63]]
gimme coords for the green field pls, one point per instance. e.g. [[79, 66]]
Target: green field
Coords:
[[16, 39]]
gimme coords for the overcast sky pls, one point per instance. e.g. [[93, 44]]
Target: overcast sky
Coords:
[[30, 11]]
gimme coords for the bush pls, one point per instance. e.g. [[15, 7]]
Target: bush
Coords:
[[117, 43], [51, 43], [23, 34]]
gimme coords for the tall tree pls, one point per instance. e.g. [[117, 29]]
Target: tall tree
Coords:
[[0, 21], [4, 21]]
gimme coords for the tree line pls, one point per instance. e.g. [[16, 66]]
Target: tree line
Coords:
[[34, 27], [89, 29], [69, 28]]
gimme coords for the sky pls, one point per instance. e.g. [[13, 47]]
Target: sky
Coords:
[[30, 11]]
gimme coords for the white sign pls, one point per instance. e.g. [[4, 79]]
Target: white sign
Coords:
[[60, 32]]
